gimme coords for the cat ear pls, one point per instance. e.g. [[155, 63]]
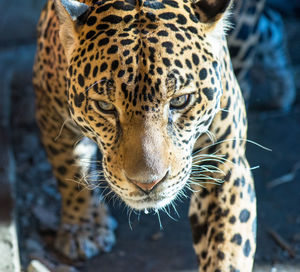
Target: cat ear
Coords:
[[211, 11], [71, 15]]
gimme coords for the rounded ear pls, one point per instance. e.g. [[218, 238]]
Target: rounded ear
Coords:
[[71, 15], [211, 11]]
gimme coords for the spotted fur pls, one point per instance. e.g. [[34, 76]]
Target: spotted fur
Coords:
[[151, 84]]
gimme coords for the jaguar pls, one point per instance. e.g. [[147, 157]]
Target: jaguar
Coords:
[[151, 85]]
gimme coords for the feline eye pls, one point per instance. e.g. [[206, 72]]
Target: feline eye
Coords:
[[180, 102], [105, 107]]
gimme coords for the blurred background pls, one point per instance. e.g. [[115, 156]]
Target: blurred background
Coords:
[[25, 173]]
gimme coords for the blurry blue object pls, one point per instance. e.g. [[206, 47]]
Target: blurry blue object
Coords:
[[291, 7], [259, 56]]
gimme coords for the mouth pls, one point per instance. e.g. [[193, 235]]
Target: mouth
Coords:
[[149, 202], [157, 199], [168, 190]]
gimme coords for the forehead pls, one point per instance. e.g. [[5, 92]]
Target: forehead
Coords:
[[140, 46], [164, 9], [129, 33], [143, 21]]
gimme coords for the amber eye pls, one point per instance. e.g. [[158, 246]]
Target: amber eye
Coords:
[[180, 102], [105, 107]]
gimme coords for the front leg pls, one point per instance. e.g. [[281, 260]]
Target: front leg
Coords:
[[223, 221], [86, 226]]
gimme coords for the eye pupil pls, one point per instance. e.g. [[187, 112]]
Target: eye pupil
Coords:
[[180, 102]]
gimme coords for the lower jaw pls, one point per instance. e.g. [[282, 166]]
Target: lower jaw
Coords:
[[149, 204]]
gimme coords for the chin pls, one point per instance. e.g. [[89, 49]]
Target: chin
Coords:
[[155, 200], [149, 203]]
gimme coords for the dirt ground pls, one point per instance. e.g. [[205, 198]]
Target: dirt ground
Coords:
[[144, 246]]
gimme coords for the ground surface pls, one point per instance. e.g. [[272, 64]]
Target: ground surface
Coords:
[[146, 248]]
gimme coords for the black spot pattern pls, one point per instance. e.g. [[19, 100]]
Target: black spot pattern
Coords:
[[247, 248], [237, 239], [244, 216]]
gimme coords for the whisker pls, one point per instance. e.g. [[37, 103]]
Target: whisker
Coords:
[[213, 160], [168, 213], [139, 215], [202, 180], [129, 218], [95, 83], [205, 182], [234, 139], [78, 140], [86, 160], [174, 207], [206, 167], [221, 109], [159, 220], [211, 136], [193, 190], [61, 128]]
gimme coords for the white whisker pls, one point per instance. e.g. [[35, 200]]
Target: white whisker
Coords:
[[234, 139], [95, 83], [61, 128], [159, 220]]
